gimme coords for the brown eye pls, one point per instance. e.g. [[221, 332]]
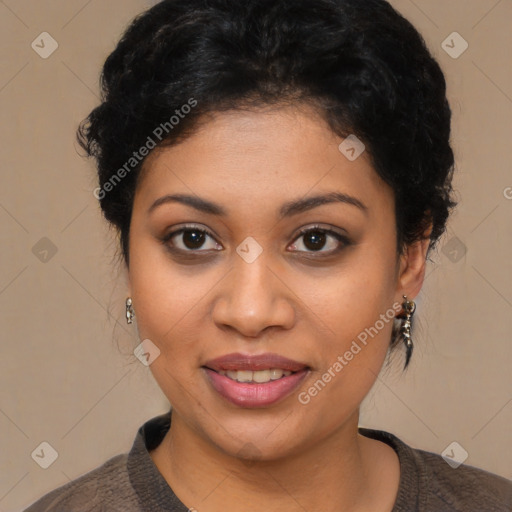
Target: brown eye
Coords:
[[190, 239], [315, 239], [193, 239]]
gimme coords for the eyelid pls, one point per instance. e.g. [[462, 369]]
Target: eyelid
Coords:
[[324, 228]]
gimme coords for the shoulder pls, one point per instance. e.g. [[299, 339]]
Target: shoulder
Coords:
[[428, 483], [105, 488], [465, 488]]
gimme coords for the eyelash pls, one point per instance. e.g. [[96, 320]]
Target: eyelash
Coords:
[[344, 240]]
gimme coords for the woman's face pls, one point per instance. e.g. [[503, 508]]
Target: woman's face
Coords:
[[254, 285]]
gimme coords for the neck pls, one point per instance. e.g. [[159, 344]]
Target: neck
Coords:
[[342, 472]]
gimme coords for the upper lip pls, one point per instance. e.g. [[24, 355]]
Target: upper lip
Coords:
[[237, 361]]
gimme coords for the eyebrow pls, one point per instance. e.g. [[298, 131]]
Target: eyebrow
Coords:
[[287, 209]]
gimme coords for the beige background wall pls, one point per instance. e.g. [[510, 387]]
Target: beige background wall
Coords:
[[63, 379]]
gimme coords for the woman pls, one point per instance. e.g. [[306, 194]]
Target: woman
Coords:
[[278, 172]]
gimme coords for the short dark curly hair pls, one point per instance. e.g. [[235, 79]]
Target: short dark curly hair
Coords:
[[363, 66]]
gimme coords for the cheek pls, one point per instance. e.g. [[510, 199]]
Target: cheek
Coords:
[[356, 304], [170, 306], [352, 297], [351, 355], [169, 310], [162, 291]]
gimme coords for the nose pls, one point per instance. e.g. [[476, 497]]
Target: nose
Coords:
[[254, 297]]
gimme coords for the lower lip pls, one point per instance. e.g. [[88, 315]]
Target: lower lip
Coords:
[[254, 395]]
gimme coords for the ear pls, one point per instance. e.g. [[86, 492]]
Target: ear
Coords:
[[412, 267]]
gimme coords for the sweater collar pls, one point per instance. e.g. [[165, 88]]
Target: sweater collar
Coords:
[[154, 492]]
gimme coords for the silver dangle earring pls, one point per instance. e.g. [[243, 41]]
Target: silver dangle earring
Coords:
[[129, 311], [408, 306]]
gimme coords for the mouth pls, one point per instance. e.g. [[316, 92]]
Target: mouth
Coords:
[[254, 381]]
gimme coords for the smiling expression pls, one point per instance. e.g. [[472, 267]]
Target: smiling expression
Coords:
[[289, 248]]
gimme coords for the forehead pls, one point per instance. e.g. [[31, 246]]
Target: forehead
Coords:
[[260, 157]]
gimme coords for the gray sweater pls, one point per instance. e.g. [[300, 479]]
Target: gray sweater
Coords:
[[131, 482]]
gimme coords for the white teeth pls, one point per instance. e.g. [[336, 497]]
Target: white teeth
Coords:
[[260, 376], [242, 376], [276, 373]]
